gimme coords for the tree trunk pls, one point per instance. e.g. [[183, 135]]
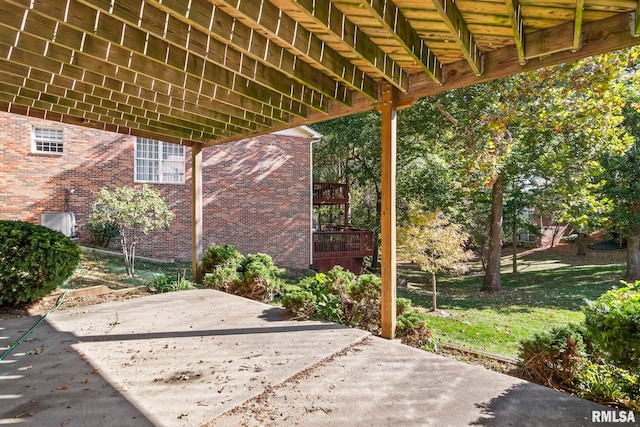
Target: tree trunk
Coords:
[[435, 295], [633, 258], [581, 243], [514, 239], [491, 282]]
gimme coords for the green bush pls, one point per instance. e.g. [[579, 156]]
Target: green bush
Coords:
[[258, 278], [227, 256], [169, 283], [402, 305], [300, 302], [221, 265], [34, 260], [613, 325], [363, 308], [554, 358], [102, 233], [610, 384], [412, 327]]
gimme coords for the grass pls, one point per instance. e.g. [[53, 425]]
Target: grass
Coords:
[[549, 290]]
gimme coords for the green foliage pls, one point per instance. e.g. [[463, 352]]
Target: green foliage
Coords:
[[131, 210], [221, 265], [102, 233], [259, 278], [554, 358], [402, 305], [613, 324], [610, 384], [217, 256], [34, 260], [170, 283], [254, 276], [338, 296], [412, 326]]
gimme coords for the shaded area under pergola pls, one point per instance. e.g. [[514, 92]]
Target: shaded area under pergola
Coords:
[[205, 72]]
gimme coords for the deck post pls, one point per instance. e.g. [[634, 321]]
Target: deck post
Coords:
[[197, 244], [388, 214]]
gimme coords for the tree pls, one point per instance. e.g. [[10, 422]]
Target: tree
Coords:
[[133, 211], [622, 187], [435, 243]]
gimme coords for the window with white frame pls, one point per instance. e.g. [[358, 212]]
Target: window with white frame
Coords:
[[159, 162], [47, 141]]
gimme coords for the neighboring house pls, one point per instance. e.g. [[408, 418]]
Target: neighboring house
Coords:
[[257, 192]]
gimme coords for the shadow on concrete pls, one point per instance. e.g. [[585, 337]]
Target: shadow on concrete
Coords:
[[530, 404], [45, 382], [210, 333]]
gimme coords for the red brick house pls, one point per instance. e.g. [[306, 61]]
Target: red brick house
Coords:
[[257, 192]]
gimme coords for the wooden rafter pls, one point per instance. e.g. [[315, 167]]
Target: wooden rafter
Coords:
[[200, 16], [392, 19], [517, 25], [199, 47], [453, 19], [283, 30], [128, 48], [577, 24], [326, 15]]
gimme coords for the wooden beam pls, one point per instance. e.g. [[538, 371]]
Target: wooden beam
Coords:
[[517, 25], [598, 37], [197, 239], [453, 19], [577, 26], [111, 45], [388, 214], [210, 20], [327, 16], [398, 27], [194, 51], [264, 16]]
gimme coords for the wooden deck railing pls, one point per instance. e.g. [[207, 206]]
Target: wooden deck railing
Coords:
[[342, 244], [330, 193]]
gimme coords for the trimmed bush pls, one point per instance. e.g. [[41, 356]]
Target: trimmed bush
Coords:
[[554, 358], [364, 296], [613, 325], [609, 384], [227, 256], [34, 260], [220, 266], [300, 302], [258, 278], [412, 328]]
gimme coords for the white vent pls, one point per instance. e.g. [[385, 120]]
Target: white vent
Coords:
[[64, 222]]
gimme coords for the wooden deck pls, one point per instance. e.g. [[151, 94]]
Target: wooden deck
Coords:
[[345, 248]]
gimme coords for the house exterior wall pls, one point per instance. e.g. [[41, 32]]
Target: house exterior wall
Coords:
[[256, 191]]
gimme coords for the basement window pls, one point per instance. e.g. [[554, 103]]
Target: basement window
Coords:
[[47, 141], [159, 162]]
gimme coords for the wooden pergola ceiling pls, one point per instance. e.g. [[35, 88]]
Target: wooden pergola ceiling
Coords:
[[211, 71]]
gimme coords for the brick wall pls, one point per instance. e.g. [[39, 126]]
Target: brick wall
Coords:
[[256, 192]]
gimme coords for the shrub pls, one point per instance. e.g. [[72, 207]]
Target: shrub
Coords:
[[300, 302], [402, 305], [258, 278], [102, 233], [554, 358], [34, 260], [613, 325], [413, 329], [168, 283], [363, 308], [216, 256], [607, 383]]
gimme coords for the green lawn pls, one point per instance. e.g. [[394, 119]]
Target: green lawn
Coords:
[[549, 290]]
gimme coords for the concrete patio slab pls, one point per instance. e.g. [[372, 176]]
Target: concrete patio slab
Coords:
[[205, 357]]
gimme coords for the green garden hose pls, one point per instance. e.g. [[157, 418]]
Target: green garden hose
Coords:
[[33, 328]]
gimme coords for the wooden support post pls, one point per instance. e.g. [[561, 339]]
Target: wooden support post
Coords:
[[196, 212], [388, 214]]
